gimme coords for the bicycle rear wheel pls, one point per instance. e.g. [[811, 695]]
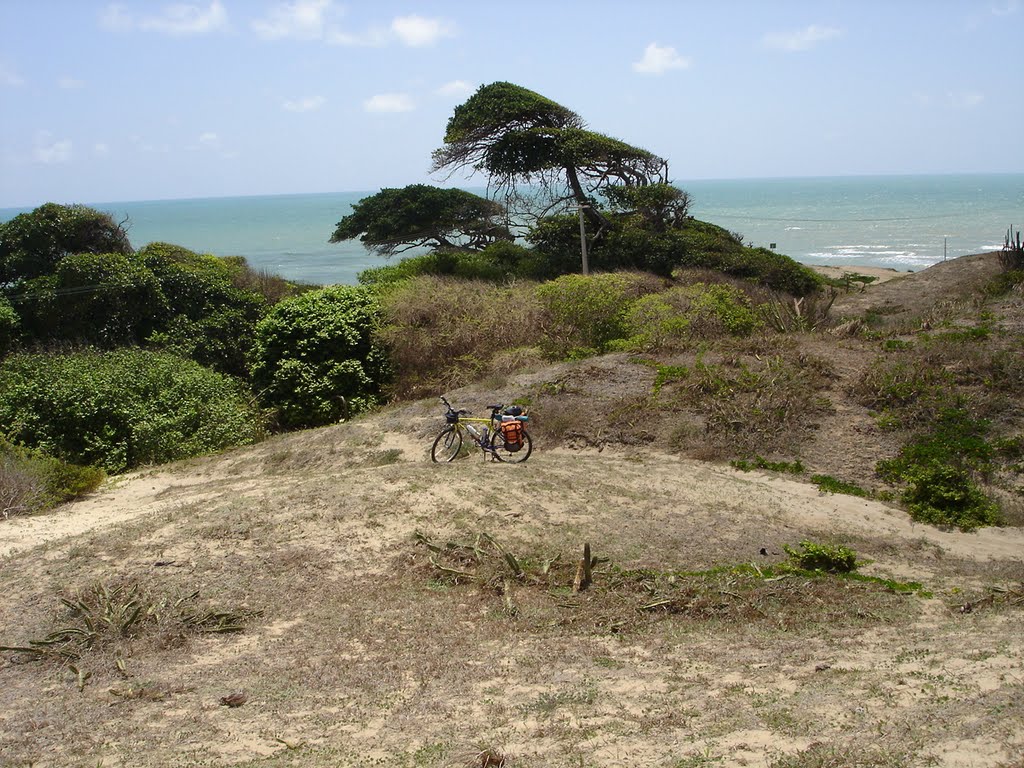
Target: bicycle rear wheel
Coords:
[[447, 446], [499, 449]]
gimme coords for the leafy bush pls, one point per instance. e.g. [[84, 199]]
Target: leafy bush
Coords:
[[119, 410], [32, 244], [315, 349], [495, 263], [830, 558], [945, 495], [441, 333], [938, 469], [588, 311], [759, 462], [104, 299], [829, 484], [8, 326], [31, 481], [207, 318]]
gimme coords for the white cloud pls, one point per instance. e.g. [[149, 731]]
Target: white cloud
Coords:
[[950, 99], [176, 19], [188, 19], [417, 31], [101, 149], [457, 88], [307, 104], [10, 78], [801, 39], [659, 59], [301, 20], [209, 139], [964, 99], [49, 151], [114, 17], [70, 83], [389, 102]]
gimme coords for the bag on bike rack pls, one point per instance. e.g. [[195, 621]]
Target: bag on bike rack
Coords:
[[512, 433]]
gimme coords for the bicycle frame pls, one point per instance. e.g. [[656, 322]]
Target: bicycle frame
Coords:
[[489, 438]]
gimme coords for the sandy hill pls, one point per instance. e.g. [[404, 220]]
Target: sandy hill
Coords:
[[333, 598]]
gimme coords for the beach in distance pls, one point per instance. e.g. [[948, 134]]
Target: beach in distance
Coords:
[[902, 223]]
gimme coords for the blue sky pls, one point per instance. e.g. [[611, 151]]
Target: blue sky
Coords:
[[131, 100]]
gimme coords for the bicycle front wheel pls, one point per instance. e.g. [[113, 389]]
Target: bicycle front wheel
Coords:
[[500, 450], [447, 446]]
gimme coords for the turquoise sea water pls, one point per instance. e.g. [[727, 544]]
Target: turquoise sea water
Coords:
[[903, 222]]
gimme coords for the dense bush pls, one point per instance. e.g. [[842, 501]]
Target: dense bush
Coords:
[[588, 312], [692, 244], [315, 349], [105, 299], [32, 244], [119, 410], [441, 333], [32, 482], [208, 318], [8, 326], [830, 558], [938, 470], [496, 263]]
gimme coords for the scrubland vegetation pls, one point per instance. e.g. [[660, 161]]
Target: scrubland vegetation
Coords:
[[115, 359], [387, 614]]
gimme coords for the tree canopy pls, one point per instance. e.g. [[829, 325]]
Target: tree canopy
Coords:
[[517, 136], [394, 220]]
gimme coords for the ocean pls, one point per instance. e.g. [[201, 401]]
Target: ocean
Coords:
[[901, 222]]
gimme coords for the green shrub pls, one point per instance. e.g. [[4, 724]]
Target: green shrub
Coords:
[[830, 558], [1005, 282], [102, 299], [8, 326], [207, 317], [945, 495], [938, 468], [442, 333], [494, 264], [587, 311], [32, 244], [721, 306], [653, 322], [119, 410], [829, 484], [32, 482], [759, 462], [313, 350]]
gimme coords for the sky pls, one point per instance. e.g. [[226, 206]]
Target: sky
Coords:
[[118, 101]]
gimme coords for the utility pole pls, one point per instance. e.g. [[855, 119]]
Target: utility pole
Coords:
[[583, 238]]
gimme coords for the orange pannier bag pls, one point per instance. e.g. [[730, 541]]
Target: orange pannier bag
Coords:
[[512, 432]]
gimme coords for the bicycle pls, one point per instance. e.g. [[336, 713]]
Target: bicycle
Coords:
[[496, 437]]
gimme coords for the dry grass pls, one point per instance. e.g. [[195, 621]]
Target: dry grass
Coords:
[[368, 653], [685, 649]]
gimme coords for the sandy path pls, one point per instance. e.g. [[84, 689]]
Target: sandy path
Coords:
[[797, 504]]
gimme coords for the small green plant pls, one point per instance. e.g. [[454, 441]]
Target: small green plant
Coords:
[[938, 470], [33, 482], [668, 373], [830, 484], [759, 462], [830, 558], [106, 614]]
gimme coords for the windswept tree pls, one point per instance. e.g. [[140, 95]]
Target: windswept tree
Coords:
[[518, 137], [395, 220]]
